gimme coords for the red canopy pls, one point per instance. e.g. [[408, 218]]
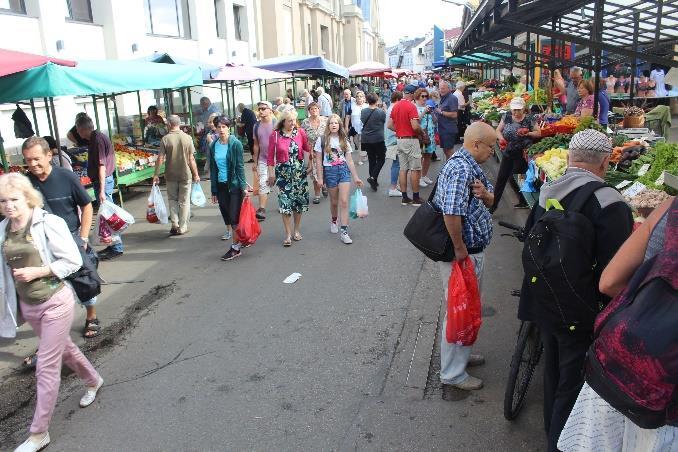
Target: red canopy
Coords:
[[12, 61]]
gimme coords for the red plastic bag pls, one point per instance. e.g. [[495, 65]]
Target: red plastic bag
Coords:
[[249, 229], [436, 137], [463, 304]]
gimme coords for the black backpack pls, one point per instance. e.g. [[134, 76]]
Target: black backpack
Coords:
[[559, 264]]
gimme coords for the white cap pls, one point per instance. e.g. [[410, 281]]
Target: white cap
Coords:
[[517, 103]]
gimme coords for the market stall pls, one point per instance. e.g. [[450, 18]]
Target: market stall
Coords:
[[99, 78]]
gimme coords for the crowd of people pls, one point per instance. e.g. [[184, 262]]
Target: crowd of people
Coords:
[[48, 216]]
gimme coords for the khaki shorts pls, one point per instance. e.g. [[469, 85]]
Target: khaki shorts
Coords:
[[409, 154], [392, 152], [262, 169]]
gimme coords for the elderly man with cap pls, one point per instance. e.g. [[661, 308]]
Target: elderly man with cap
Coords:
[[516, 132], [404, 121], [611, 224]]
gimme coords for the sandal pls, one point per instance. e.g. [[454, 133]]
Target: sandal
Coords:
[[287, 242], [297, 237], [91, 328], [31, 361], [316, 200]]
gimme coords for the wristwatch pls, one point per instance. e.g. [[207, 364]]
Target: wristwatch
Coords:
[[85, 239]]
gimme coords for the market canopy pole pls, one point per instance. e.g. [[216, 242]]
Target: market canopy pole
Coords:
[[634, 62], [35, 118], [49, 118], [56, 130], [597, 36]]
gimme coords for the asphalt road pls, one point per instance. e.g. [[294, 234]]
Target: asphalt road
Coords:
[[224, 356]]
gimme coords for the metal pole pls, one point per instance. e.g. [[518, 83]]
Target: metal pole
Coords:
[[49, 118], [233, 98], [528, 47], [251, 93], [190, 112], [597, 36], [2, 154], [108, 117], [35, 118], [96, 111], [115, 112], [56, 130], [141, 119], [261, 92], [634, 62], [227, 107]]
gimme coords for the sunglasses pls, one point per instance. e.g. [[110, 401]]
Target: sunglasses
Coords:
[[424, 95]]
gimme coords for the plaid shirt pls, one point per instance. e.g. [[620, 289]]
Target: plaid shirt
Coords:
[[454, 197]]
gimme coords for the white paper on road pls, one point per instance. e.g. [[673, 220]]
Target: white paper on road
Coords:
[[294, 277]]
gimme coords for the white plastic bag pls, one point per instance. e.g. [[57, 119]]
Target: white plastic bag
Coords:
[[103, 234], [198, 198], [156, 211], [361, 204], [117, 218]]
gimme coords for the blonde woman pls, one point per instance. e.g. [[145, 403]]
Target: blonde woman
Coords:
[[356, 133], [335, 167], [314, 126], [38, 253]]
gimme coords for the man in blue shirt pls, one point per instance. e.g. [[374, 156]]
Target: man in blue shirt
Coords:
[[205, 110], [446, 113], [572, 93], [603, 104], [464, 195]]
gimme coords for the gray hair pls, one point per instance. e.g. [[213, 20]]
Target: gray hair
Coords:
[[461, 85], [320, 90], [84, 122], [445, 82], [576, 69], [205, 98], [174, 120]]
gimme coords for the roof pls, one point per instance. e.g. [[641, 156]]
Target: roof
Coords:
[[246, 73], [303, 64], [12, 61], [453, 33], [208, 69]]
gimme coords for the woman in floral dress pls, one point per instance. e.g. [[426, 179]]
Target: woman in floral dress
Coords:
[[314, 126], [288, 169]]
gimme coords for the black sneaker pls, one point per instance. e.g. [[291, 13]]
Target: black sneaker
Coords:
[[416, 202], [108, 255], [434, 157], [260, 214], [373, 183], [231, 254], [406, 201], [521, 205]]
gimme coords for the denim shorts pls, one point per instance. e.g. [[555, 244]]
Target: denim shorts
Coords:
[[335, 175]]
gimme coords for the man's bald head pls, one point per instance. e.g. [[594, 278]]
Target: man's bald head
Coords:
[[479, 140]]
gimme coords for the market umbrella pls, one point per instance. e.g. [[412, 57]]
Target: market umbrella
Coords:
[[245, 73], [304, 64], [12, 61], [368, 69]]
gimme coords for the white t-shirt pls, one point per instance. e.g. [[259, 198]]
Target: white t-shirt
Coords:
[[658, 76], [355, 117], [460, 100], [337, 156]]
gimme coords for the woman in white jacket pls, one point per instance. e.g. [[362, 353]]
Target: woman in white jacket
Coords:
[[38, 252]]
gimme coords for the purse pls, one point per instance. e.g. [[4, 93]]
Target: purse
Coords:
[[426, 230]]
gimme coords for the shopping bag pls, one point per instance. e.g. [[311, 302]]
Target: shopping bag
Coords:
[[198, 198], [361, 204], [103, 234], [117, 218], [156, 212], [463, 304], [249, 229], [353, 205]]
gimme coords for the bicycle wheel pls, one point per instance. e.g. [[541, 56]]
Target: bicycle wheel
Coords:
[[525, 359]]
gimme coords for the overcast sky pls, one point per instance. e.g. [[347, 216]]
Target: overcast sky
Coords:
[[413, 18]]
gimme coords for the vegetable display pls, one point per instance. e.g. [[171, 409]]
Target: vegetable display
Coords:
[[553, 162], [589, 122], [666, 159], [558, 141]]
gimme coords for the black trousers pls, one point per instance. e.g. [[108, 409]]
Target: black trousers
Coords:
[[229, 204], [506, 170], [376, 156], [564, 357]]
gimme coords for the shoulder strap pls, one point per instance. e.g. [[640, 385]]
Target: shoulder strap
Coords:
[[584, 193], [368, 117], [256, 128]]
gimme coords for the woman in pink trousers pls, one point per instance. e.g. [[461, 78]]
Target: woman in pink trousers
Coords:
[[37, 253]]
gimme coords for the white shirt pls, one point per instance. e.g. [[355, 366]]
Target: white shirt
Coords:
[[658, 76], [460, 99], [356, 122]]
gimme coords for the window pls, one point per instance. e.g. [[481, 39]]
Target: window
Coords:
[[324, 39], [14, 6], [168, 18], [219, 16], [308, 38], [80, 10], [239, 23]]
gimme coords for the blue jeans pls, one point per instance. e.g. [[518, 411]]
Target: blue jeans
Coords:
[[108, 191], [395, 170], [335, 175]]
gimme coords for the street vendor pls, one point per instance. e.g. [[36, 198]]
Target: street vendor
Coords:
[[155, 125], [585, 104], [515, 133], [73, 135]]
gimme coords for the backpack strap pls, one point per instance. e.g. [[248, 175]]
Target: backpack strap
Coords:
[[584, 193]]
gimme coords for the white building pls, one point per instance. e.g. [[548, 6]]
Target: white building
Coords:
[[408, 54], [211, 31]]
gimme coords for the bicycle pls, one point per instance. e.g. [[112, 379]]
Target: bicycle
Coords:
[[526, 354]]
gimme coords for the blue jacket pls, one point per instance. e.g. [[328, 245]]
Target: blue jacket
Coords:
[[236, 166]]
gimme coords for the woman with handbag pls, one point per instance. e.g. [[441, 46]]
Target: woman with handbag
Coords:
[[427, 138], [595, 423], [335, 167], [38, 253], [288, 170], [516, 132]]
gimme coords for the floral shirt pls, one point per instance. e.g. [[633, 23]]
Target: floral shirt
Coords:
[[585, 103], [314, 134]]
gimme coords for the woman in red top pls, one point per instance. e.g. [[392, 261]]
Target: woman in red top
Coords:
[[288, 169]]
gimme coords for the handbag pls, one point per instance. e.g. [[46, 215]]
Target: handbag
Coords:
[[426, 230]]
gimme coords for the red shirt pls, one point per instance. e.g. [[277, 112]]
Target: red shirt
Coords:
[[403, 112]]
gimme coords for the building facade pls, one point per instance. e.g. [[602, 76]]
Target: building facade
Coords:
[[408, 54]]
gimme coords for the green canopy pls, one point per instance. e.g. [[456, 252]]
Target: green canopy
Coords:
[[95, 77], [479, 58]]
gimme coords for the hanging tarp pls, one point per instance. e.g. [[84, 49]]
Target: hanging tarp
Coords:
[[304, 64], [208, 69], [479, 57], [232, 72], [12, 61], [368, 69], [95, 77]]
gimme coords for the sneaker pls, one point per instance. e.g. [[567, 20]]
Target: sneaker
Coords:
[[427, 180], [344, 237], [406, 201], [422, 183], [416, 202], [470, 384], [373, 183], [475, 360], [91, 394], [324, 191], [227, 235], [260, 214], [394, 192], [109, 255], [521, 205], [334, 228], [231, 254], [360, 162], [30, 446]]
